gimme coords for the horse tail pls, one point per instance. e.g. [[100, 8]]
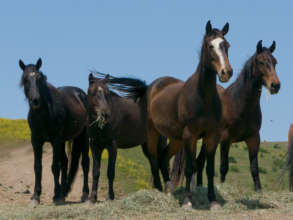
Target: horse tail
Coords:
[[128, 87], [177, 172], [74, 156]]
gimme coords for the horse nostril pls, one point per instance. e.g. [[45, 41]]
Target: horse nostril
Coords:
[[223, 73], [276, 86], [35, 102], [230, 72]]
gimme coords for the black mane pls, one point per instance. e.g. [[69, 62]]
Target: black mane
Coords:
[[127, 87]]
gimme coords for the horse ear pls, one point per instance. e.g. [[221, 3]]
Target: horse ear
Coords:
[[259, 47], [107, 78], [91, 78], [225, 29], [208, 27], [273, 47], [39, 64], [21, 64]]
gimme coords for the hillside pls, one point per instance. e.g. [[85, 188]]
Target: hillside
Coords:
[[135, 197]]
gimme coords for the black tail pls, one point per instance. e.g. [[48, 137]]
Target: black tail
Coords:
[[129, 87], [177, 172], [74, 162]]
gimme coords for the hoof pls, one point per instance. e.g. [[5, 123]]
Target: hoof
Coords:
[[169, 187], [222, 179], [187, 204], [111, 198], [89, 202], [59, 201], [34, 203], [215, 206], [84, 197], [258, 190]]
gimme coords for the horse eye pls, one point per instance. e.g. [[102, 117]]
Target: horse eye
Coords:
[[261, 63], [211, 46]]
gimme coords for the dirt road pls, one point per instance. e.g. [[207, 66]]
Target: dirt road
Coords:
[[17, 175]]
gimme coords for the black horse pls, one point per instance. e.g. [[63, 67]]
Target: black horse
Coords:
[[56, 115], [115, 122]]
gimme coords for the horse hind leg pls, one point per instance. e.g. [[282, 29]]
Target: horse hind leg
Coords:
[[64, 167], [253, 148], [150, 149], [224, 167], [75, 155], [200, 164]]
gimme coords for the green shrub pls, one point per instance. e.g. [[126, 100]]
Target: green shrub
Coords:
[[232, 159], [262, 170], [234, 169], [14, 130]]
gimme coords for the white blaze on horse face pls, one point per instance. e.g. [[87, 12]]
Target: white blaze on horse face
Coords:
[[216, 44], [32, 74]]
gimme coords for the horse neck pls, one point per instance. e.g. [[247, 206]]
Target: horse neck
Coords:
[[203, 83], [48, 95], [247, 90]]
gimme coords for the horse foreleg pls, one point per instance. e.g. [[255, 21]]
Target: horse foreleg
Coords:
[[56, 167], [253, 148], [38, 151], [190, 152], [211, 140], [85, 163], [97, 154], [111, 168]]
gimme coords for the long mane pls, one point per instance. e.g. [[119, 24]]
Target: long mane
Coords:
[[127, 87]]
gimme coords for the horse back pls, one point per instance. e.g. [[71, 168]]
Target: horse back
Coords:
[[75, 104]]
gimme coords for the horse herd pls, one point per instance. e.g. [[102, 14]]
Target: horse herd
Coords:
[[121, 112]]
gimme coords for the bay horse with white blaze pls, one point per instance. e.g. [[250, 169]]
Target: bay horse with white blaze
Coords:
[[241, 115], [183, 111], [115, 122], [56, 115]]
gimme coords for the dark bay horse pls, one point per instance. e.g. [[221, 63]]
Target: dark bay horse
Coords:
[[114, 122], [190, 110], [241, 115], [56, 115]]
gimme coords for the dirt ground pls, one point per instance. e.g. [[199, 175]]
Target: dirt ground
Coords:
[[17, 176], [17, 182]]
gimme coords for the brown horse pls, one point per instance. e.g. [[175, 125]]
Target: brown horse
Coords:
[[115, 122], [190, 110], [56, 115], [241, 115], [290, 157]]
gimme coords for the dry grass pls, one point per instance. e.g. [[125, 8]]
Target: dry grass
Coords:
[[151, 204]]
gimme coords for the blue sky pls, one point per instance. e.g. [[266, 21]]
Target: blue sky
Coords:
[[145, 39]]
